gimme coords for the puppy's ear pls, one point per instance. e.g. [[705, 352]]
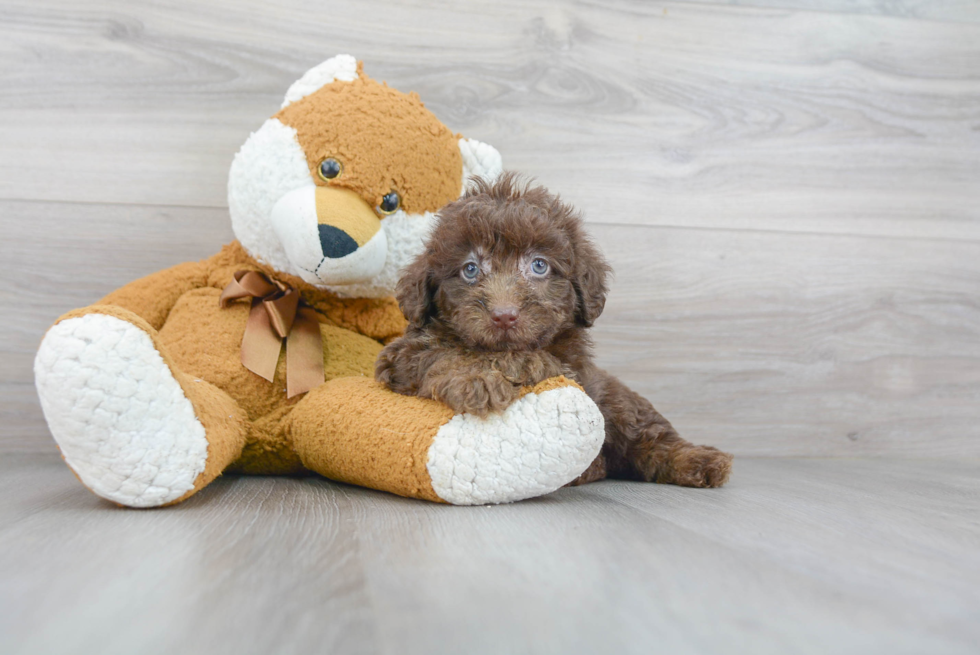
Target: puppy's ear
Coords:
[[414, 292], [591, 273]]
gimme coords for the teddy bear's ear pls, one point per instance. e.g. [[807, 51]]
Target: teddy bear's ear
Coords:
[[341, 68], [480, 160]]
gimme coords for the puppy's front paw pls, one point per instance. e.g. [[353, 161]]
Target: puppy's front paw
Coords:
[[475, 394], [393, 368], [529, 368], [384, 368], [699, 466]]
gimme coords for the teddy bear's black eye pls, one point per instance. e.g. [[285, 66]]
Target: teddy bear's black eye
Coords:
[[390, 203], [470, 271], [330, 168], [539, 266]]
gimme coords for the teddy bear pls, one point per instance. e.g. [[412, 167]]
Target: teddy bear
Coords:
[[259, 360]]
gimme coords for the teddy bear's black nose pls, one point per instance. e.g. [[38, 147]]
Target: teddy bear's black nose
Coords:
[[335, 242]]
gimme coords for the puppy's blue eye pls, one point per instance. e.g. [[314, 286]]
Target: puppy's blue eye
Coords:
[[470, 271], [539, 266]]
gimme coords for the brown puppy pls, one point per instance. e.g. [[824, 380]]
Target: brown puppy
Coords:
[[502, 298]]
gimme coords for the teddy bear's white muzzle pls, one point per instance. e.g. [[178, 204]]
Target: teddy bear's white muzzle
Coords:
[[330, 235]]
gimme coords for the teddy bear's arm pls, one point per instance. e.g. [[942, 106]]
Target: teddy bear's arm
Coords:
[[152, 297], [354, 430]]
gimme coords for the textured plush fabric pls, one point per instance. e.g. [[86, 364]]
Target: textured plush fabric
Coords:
[[204, 340], [479, 160], [341, 68], [377, 439], [160, 434], [530, 449], [269, 165], [384, 140], [151, 297]]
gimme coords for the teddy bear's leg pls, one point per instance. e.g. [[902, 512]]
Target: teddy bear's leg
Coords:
[[355, 430], [133, 428]]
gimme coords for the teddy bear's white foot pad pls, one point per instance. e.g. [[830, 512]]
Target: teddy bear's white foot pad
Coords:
[[120, 418], [541, 442]]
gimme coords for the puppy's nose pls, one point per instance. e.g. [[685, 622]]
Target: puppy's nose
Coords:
[[504, 317]]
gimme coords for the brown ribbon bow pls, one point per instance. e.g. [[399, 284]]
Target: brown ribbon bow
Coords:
[[278, 313]]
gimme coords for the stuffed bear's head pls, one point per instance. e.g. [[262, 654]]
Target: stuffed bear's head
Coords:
[[341, 186]]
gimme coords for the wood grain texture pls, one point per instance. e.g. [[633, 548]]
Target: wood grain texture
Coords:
[[773, 344], [802, 556], [654, 113], [788, 196], [957, 11], [158, 582]]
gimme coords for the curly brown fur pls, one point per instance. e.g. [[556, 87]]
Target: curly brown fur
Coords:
[[503, 298]]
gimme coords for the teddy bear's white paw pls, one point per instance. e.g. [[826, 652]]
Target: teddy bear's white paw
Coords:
[[122, 421], [541, 442]]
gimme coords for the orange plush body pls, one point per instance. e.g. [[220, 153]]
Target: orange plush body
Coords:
[[146, 391]]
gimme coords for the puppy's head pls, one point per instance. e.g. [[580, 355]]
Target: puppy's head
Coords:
[[507, 267]]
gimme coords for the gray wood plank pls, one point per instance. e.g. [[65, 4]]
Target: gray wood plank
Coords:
[[774, 344], [957, 11], [81, 576], [764, 343], [654, 113], [803, 556], [621, 589], [871, 523]]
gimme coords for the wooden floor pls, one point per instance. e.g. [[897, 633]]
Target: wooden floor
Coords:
[[794, 556], [789, 193], [788, 190]]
